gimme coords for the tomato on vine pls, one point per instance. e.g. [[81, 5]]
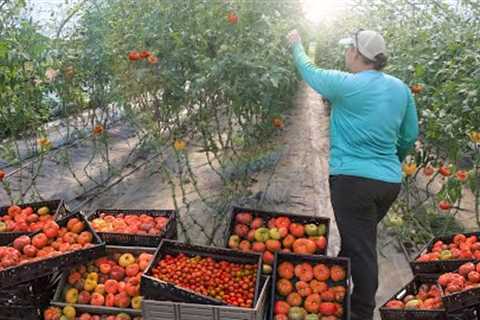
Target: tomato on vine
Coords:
[[44, 142], [180, 145], [98, 129], [445, 171], [134, 55], [2, 175], [278, 123], [416, 88], [444, 205], [462, 175], [152, 59], [474, 136], [409, 169], [145, 54], [232, 18], [428, 171]]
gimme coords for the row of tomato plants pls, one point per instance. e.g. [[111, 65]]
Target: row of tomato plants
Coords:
[[216, 76]]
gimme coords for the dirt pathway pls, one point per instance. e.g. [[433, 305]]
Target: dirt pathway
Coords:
[[300, 181]]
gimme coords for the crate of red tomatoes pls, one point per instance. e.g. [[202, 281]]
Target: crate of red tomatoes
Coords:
[[167, 310], [81, 313], [109, 284], [56, 246], [134, 227], [267, 232], [461, 287], [16, 220], [446, 254], [420, 299], [188, 273], [310, 287]]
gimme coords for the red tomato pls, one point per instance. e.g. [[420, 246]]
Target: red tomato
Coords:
[[444, 205], [444, 171], [134, 55]]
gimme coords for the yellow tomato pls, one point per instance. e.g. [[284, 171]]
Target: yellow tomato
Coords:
[[409, 169], [43, 141], [180, 145], [90, 285], [93, 276], [475, 136], [69, 312], [277, 122]]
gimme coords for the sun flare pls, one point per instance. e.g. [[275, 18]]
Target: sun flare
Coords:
[[319, 10]]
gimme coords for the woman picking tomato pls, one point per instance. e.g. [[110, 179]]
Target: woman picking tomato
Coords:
[[373, 125]]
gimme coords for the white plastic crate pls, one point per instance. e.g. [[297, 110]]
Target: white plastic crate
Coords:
[[167, 310]]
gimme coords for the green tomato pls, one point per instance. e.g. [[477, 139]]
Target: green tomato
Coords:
[[321, 229]]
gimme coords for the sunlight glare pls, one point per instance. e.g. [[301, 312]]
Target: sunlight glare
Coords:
[[318, 10]]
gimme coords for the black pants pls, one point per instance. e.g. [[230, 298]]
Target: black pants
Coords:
[[359, 205]]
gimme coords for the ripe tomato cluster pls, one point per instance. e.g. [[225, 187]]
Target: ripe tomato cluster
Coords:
[[24, 220], [256, 234], [112, 281], [52, 241], [135, 55], [461, 247], [69, 312], [467, 277], [129, 223], [306, 291], [230, 282], [428, 297]]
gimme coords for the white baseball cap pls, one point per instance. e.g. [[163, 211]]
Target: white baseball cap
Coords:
[[369, 43]]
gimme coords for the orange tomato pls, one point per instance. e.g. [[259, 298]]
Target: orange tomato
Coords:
[[416, 88]]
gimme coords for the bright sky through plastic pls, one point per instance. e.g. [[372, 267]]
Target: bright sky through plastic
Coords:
[[319, 10], [315, 10]]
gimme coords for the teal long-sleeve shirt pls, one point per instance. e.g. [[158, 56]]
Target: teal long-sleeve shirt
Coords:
[[373, 121]]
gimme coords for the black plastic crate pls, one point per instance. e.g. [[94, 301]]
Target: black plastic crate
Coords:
[[57, 208], [58, 297], [145, 240], [27, 300], [155, 289], [37, 269], [16, 312], [314, 260], [462, 300], [266, 215], [471, 313], [408, 314], [441, 266], [30, 293]]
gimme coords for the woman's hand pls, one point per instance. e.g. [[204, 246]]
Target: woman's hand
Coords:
[[293, 37]]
